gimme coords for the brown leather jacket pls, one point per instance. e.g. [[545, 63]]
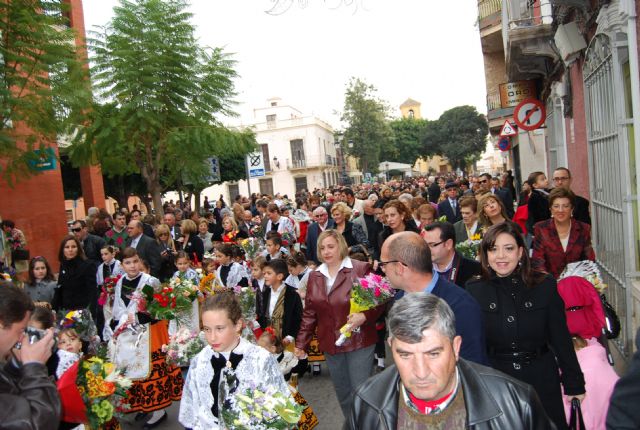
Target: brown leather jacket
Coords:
[[329, 312]]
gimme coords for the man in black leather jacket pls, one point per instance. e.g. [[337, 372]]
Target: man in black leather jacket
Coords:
[[28, 397], [430, 386]]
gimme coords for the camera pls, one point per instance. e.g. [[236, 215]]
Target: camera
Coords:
[[33, 335]]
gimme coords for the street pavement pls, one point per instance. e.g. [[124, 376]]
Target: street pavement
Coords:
[[317, 390]]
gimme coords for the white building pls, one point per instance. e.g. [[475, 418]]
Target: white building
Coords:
[[298, 152]]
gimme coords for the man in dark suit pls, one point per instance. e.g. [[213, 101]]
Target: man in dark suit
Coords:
[[449, 206], [170, 220], [468, 226], [562, 178], [246, 223], [435, 188], [449, 263], [147, 248], [322, 222], [91, 244], [406, 260]]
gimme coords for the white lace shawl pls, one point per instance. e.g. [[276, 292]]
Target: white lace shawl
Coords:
[[236, 273], [117, 270], [288, 362], [65, 361], [284, 225], [120, 311], [257, 367]]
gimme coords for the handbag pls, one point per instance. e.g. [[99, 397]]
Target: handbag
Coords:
[[130, 350], [612, 326], [19, 254], [576, 422]]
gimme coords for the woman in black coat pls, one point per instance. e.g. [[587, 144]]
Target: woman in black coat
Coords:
[[527, 335], [191, 242], [77, 287], [353, 233]]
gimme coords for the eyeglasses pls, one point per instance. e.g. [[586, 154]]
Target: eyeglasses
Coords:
[[433, 245], [76, 230], [384, 263], [561, 179], [483, 181]]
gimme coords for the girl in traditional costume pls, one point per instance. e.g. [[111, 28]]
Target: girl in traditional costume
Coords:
[[161, 383], [252, 365]]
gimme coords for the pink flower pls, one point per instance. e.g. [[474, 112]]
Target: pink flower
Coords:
[[364, 283], [377, 292]]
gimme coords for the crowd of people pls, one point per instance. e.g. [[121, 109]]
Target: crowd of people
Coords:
[[478, 340]]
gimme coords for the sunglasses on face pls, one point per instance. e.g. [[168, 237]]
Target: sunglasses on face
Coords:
[[76, 230]]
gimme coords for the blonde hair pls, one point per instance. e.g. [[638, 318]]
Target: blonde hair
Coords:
[[234, 224], [188, 227], [342, 244], [343, 209], [203, 221], [482, 201], [164, 228]]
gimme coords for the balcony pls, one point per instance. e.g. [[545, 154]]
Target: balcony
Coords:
[[527, 32], [489, 15], [496, 114], [311, 162]]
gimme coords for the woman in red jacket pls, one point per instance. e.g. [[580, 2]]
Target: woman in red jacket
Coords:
[[561, 239], [327, 308]]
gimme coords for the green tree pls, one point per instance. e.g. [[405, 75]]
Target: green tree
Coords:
[[367, 128], [460, 134], [42, 82], [160, 93], [408, 136]]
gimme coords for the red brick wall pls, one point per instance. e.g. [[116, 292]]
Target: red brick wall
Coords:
[[577, 138], [36, 205]]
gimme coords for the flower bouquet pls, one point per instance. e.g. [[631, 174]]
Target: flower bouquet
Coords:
[[182, 347], [251, 247], [172, 300], [247, 299], [260, 409], [257, 231], [108, 289], [93, 391], [469, 248], [288, 239], [366, 293], [210, 284]]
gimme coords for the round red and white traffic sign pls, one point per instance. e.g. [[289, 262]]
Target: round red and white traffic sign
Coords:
[[529, 114]]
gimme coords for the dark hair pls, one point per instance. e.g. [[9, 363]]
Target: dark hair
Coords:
[[237, 251], [14, 304], [66, 239], [129, 252], [225, 249], [279, 266], [469, 202], [8, 223], [411, 250], [530, 276], [225, 301], [272, 207], [261, 203], [182, 254], [32, 264], [274, 237], [44, 316], [400, 207], [297, 259], [112, 249], [533, 178], [562, 193], [276, 340], [446, 230], [82, 223], [135, 210], [349, 192], [565, 169]]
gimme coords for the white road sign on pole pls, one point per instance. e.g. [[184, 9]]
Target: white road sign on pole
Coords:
[[255, 164], [507, 129]]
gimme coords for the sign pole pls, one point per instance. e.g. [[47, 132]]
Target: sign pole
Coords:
[[246, 166]]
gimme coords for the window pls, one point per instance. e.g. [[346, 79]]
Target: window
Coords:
[[297, 153], [265, 157], [234, 190], [301, 183], [266, 186], [411, 114], [271, 118]]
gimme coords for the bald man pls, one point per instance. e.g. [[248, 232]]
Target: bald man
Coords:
[[406, 260]]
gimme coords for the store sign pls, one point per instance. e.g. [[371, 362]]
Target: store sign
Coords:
[[512, 93], [45, 159]]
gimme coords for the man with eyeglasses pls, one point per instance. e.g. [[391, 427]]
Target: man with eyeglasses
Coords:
[[406, 260], [91, 244], [322, 222], [562, 178]]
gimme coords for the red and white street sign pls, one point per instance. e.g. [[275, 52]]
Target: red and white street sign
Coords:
[[529, 114], [508, 129]]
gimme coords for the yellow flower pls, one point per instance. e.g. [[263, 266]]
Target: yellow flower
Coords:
[[476, 237]]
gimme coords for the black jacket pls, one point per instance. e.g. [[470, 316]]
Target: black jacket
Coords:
[[92, 246], [463, 269], [149, 251], [525, 319], [581, 210], [386, 232], [492, 399], [312, 240], [624, 413], [77, 286], [194, 248], [30, 399], [538, 207], [292, 311]]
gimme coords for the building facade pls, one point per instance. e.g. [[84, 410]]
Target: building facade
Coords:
[[582, 58]]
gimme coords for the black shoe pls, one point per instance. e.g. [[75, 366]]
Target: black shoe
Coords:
[[141, 416], [148, 426], [317, 371]]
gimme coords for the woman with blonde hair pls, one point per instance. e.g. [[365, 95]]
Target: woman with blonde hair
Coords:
[[191, 242], [204, 234], [353, 233], [327, 309], [231, 233], [168, 252], [491, 211]]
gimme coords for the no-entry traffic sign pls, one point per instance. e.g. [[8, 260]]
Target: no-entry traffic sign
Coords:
[[529, 114]]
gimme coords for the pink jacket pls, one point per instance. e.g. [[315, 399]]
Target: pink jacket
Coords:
[[600, 378]]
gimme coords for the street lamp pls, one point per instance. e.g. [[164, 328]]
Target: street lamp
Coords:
[[338, 145], [387, 167]]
